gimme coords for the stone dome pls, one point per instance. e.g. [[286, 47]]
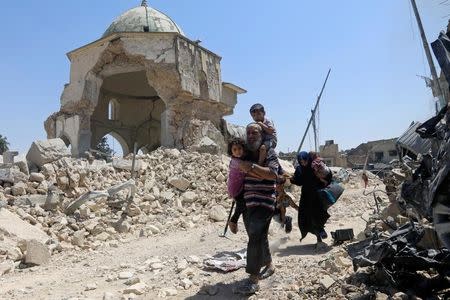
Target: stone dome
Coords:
[[143, 19]]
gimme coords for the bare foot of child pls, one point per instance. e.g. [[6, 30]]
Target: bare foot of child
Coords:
[[262, 155], [233, 227]]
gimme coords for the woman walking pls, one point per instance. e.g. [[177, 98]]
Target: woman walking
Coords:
[[312, 215]]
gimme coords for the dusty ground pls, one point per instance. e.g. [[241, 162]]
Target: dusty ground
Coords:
[[94, 274]]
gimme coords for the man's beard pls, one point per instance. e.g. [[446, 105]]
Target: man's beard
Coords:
[[254, 145]]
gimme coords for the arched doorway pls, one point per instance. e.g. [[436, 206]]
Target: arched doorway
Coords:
[[66, 141], [111, 145], [130, 108]]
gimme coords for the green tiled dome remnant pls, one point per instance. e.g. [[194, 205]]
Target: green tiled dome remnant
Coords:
[[143, 19]]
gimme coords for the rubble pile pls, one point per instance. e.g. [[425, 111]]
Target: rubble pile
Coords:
[[174, 190], [402, 255]]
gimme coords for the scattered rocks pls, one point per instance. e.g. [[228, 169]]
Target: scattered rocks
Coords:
[[91, 287], [218, 213], [6, 267], [170, 292], [137, 289], [132, 281], [126, 275]]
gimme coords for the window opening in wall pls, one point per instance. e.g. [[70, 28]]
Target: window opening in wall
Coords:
[[393, 152], [113, 110], [379, 156]]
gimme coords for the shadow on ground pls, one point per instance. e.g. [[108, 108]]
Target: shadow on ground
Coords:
[[299, 250], [219, 291]]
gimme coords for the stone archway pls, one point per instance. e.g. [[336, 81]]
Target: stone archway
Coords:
[[68, 143], [129, 106], [124, 144]]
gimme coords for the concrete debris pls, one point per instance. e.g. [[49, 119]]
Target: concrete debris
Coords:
[[6, 267], [137, 289], [189, 197], [19, 189], [327, 281], [36, 253], [126, 164], [180, 183], [37, 177], [47, 151], [8, 156], [218, 213], [12, 226], [91, 287], [90, 206], [170, 292], [126, 275], [132, 281]]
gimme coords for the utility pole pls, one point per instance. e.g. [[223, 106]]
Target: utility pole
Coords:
[[315, 130], [313, 112], [436, 85]]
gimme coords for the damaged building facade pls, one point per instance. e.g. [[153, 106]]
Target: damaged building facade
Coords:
[[147, 85], [331, 155], [380, 152]]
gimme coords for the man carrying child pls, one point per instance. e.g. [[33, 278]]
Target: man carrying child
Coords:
[[259, 195]]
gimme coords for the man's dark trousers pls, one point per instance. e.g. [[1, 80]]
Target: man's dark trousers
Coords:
[[257, 221]]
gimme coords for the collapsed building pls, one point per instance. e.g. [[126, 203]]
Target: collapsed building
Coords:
[[146, 84], [374, 152]]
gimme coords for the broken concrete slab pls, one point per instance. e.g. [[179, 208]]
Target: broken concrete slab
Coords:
[[12, 175], [47, 151], [6, 175], [11, 225], [52, 201], [8, 156], [180, 183], [31, 200], [36, 253], [22, 164], [126, 164], [37, 177], [205, 145], [327, 281]]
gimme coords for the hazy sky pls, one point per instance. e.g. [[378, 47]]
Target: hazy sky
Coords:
[[279, 51]]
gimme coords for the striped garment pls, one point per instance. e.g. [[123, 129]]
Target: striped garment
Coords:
[[261, 192]]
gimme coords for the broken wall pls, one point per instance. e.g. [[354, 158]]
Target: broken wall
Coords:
[[185, 76]]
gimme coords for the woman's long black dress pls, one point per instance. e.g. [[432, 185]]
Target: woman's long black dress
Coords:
[[312, 215]]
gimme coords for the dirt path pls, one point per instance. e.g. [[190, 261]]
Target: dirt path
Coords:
[[159, 263]]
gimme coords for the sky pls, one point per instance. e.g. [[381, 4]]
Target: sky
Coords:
[[279, 51]]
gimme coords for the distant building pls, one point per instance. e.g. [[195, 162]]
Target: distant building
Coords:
[[376, 152], [331, 155]]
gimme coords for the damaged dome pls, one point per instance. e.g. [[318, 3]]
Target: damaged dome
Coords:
[[143, 19]]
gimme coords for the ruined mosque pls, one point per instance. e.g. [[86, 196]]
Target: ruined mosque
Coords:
[[146, 84]]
